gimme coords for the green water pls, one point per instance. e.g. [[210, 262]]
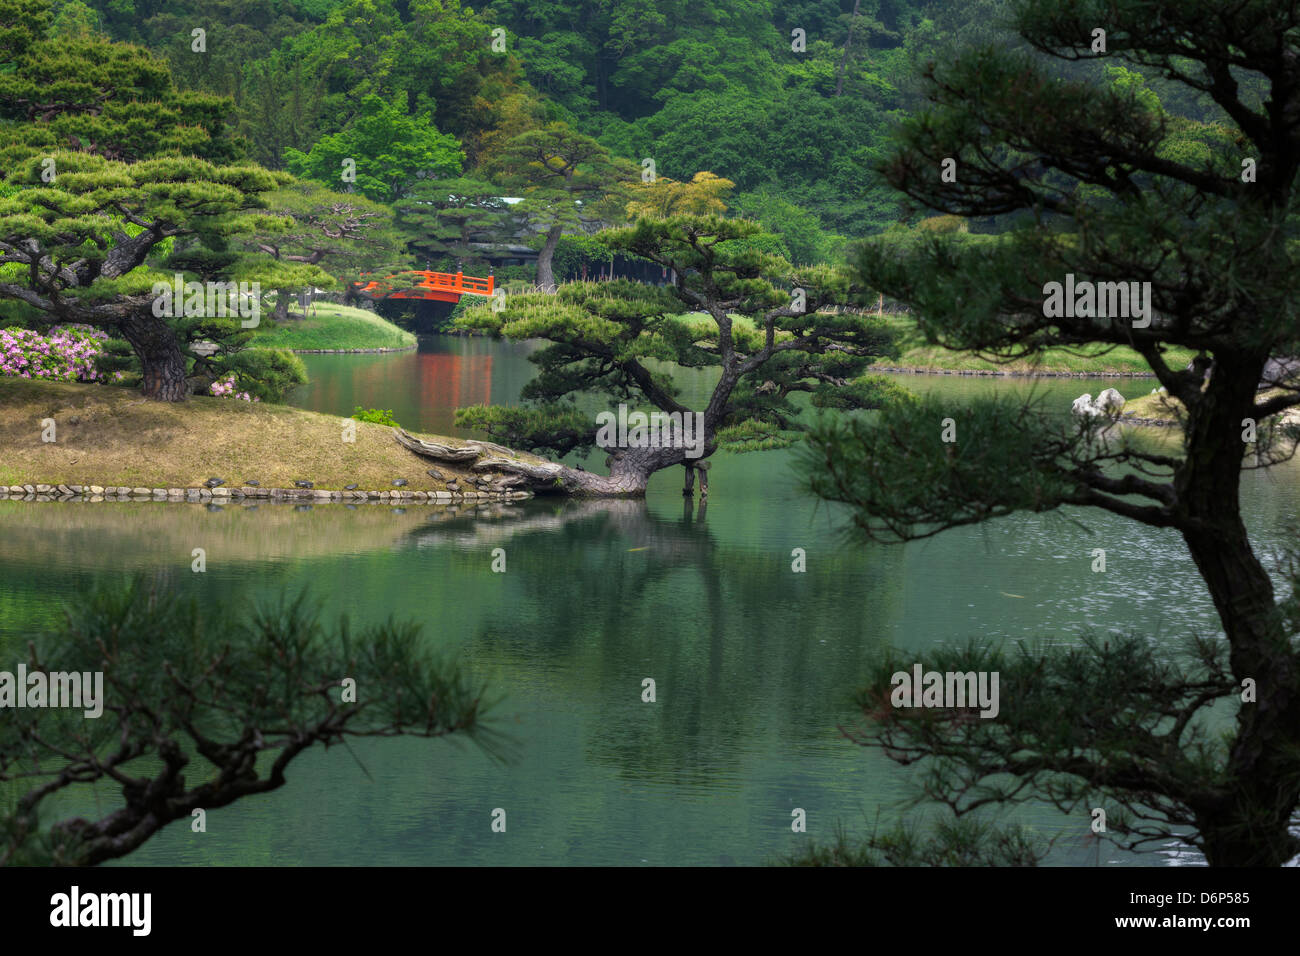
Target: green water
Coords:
[[755, 665]]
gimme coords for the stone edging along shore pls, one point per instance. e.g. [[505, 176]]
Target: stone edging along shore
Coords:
[[1153, 422], [404, 348], [43, 492], [994, 373]]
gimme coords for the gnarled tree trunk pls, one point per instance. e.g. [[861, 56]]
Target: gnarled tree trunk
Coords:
[[161, 359], [1247, 822], [629, 471], [545, 258]]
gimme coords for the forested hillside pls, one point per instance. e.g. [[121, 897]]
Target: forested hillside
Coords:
[[431, 110], [792, 118]]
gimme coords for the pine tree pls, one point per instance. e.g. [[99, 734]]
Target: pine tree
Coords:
[[1094, 183], [767, 327], [116, 182]]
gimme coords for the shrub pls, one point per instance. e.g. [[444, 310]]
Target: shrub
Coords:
[[266, 374], [64, 354], [225, 388], [377, 416]]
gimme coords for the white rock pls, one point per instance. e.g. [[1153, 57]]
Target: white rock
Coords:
[[1109, 402], [1083, 405]]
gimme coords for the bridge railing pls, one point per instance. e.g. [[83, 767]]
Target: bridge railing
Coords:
[[454, 282]]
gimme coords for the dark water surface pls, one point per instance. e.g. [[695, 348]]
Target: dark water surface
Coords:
[[755, 666]]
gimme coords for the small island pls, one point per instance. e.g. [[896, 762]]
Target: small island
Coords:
[[107, 438]]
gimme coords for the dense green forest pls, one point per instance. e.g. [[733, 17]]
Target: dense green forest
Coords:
[[788, 101], [372, 137], [792, 103]]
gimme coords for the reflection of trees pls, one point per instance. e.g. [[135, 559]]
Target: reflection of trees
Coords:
[[424, 387], [730, 634], [50, 552]]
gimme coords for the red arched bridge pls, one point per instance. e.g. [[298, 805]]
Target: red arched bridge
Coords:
[[440, 286]]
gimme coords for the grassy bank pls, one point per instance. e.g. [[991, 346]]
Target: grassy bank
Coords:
[[916, 355], [919, 356], [1162, 408], [110, 436], [332, 327], [1158, 407]]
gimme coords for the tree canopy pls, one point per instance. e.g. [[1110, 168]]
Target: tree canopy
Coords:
[[766, 326], [563, 176], [383, 152]]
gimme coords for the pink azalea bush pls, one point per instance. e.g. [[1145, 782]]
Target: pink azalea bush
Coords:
[[67, 354], [64, 354], [225, 388]]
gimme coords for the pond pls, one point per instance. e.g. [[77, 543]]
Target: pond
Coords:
[[755, 666]]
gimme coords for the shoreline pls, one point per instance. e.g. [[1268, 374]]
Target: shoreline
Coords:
[[110, 442], [334, 328], [404, 348], [32, 491], [891, 370], [1148, 422], [993, 373]]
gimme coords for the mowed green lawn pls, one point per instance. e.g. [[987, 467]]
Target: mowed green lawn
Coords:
[[332, 327]]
